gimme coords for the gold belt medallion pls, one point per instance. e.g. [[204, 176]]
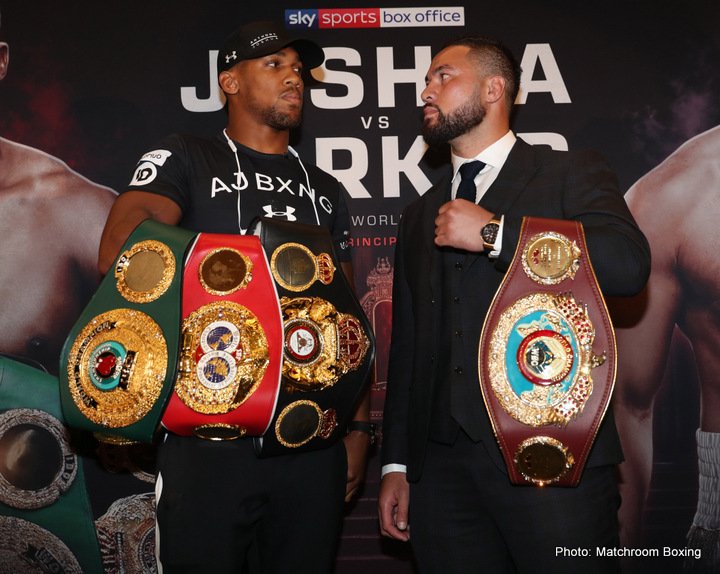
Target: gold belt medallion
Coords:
[[224, 271], [117, 366], [320, 343], [541, 359], [543, 460], [301, 421], [549, 258], [295, 267], [223, 359], [145, 271]]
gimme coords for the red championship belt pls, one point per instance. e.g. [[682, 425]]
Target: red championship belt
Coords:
[[547, 358], [231, 346]]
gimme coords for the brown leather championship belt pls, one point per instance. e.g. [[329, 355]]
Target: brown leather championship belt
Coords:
[[547, 359], [328, 344], [231, 342]]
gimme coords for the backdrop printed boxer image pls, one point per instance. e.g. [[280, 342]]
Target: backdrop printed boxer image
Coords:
[[86, 87]]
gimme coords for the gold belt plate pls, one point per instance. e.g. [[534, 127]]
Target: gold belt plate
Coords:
[[144, 272], [295, 267], [117, 366], [224, 357], [541, 359], [320, 343]]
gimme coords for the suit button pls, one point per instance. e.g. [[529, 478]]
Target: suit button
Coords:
[[459, 370], [458, 333], [456, 300], [432, 301], [458, 265]]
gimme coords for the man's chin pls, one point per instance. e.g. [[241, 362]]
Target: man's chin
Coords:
[[285, 121], [432, 138]]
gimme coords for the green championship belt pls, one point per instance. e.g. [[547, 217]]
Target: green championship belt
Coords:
[[328, 345], [119, 361], [545, 386], [46, 523]]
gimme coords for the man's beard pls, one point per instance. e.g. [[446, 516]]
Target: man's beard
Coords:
[[447, 127], [280, 120]]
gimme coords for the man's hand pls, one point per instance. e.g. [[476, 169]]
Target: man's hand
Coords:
[[357, 445], [393, 503], [459, 223]]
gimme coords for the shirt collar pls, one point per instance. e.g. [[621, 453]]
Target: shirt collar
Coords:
[[493, 156]]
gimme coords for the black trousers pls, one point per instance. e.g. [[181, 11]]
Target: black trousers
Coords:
[[466, 517], [220, 509]]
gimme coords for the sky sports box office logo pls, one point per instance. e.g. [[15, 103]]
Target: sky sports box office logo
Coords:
[[374, 17]]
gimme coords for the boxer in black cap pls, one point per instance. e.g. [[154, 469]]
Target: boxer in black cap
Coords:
[[220, 508]]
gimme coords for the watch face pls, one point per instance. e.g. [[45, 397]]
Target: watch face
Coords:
[[489, 232]]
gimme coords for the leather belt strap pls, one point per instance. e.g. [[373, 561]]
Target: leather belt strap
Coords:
[[328, 342], [229, 373], [547, 359], [118, 363]]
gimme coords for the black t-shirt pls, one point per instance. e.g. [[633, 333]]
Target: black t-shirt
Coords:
[[202, 177]]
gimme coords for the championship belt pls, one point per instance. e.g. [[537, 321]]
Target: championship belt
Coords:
[[547, 358], [118, 364], [328, 345], [46, 524], [229, 373], [126, 535]]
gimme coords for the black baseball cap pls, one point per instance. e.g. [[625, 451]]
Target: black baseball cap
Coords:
[[258, 39]]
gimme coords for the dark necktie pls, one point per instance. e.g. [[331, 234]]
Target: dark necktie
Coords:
[[468, 171]]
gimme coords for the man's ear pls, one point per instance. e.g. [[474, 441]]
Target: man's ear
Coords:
[[495, 88], [4, 59], [228, 82]]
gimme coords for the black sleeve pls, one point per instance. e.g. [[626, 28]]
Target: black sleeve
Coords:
[[586, 190], [164, 171]]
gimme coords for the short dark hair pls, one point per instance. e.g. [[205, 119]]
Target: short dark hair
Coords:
[[494, 58]]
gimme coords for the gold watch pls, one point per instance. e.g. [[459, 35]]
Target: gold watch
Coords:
[[489, 234]]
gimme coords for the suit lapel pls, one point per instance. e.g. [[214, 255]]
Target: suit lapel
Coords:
[[436, 196], [519, 168]]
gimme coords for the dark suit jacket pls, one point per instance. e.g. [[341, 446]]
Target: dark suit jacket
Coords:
[[535, 181]]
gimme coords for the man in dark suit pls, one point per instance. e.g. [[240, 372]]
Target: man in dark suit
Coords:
[[439, 449]]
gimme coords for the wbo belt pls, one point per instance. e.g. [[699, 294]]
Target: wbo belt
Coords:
[[327, 341], [117, 366], [547, 357], [231, 351]]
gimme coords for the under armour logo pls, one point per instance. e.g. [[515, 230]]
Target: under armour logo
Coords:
[[232, 56], [288, 215]]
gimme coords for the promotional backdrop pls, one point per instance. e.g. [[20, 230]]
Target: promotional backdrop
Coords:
[[95, 85]]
